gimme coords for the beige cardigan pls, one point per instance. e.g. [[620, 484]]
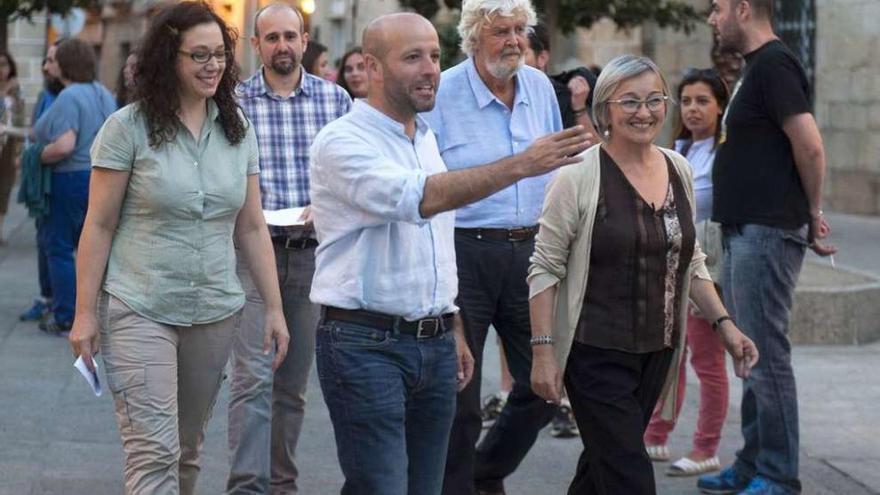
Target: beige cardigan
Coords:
[[567, 228]]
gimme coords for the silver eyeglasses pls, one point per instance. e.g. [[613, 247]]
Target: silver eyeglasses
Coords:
[[632, 105]]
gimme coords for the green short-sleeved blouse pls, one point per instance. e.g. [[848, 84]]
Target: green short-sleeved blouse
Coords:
[[172, 259]]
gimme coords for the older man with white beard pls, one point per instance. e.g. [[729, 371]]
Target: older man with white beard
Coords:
[[491, 106]]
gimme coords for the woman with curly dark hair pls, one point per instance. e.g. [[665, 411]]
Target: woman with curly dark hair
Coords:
[[174, 185]]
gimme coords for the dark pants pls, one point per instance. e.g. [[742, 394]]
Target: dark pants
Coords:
[[612, 395], [761, 267], [391, 399], [43, 261], [493, 290], [67, 214]]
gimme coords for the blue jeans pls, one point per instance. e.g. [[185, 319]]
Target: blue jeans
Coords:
[[761, 267], [67, 213], [391, 400]]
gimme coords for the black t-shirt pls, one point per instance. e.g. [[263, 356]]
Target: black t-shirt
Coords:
[[755, 179], [563, 94]]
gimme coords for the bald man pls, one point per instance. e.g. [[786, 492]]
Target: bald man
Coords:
[[287, 107], [390, 350]]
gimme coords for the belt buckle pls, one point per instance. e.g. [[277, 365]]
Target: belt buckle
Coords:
[[421, 331]]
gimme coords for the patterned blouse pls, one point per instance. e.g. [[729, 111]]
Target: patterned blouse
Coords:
[[637, 265]]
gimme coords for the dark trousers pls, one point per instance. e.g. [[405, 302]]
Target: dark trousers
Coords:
[[43, 260], [613, 394], [492, 290]]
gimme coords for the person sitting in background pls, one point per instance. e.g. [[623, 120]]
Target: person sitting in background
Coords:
[[316, 62], [68, 129], [703, 95], [352, 74]]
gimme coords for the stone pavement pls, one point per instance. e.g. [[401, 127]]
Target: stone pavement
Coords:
[[56, 438]]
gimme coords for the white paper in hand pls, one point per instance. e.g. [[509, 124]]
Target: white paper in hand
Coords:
[[287, 217], [89, 375]]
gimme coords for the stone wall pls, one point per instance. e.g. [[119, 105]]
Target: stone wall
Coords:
[[27, 44], [848, 102], [339, 24]]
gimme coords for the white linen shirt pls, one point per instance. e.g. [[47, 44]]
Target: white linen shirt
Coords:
[[376, 252]]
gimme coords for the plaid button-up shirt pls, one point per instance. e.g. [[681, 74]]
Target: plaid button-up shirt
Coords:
[[285, 130]]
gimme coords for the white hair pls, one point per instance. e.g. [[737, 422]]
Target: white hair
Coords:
[[476, 13]]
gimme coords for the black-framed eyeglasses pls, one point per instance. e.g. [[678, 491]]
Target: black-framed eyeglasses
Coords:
[[632, 105], [204, 56]]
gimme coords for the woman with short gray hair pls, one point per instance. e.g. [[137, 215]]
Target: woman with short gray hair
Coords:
[[616, 259]]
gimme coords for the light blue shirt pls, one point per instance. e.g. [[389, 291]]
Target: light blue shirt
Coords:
[[83, 108], [376, 252], [474, 128]]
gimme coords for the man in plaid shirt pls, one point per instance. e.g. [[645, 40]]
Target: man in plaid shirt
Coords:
[[287, 107]]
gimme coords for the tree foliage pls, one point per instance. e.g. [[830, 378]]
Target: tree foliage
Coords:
[[570, 14], [10, 10], [427, 8], [14, 9]]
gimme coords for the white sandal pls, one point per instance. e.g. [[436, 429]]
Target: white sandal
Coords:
[[658, 453], [689, 467]]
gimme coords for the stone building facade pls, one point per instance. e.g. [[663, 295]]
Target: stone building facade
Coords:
[[845, 67], [27, 44], [848, 101]]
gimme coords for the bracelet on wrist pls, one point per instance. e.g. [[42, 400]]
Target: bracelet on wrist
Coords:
[[579, 111], [721, 319], [541, 340]]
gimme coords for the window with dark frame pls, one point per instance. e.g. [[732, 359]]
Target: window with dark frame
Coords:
[[795, 23]]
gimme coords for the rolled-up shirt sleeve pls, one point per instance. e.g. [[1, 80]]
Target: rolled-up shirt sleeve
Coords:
[[368, 181]]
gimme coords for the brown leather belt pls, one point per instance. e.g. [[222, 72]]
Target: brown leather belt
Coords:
[[294, 242], [425, 328], [512, 235]]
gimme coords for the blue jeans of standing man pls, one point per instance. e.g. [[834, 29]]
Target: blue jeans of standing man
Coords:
[[761, 267], [391, 399], [67, 213]]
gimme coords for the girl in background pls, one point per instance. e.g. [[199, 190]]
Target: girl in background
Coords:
[[703, 95]]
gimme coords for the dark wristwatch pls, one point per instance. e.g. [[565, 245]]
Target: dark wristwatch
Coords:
[[717, 323]]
